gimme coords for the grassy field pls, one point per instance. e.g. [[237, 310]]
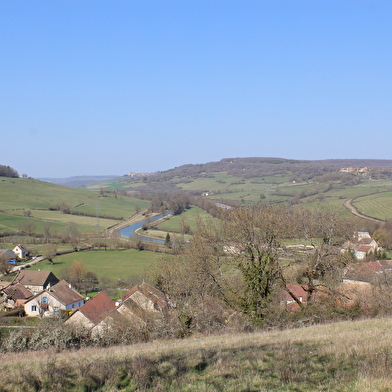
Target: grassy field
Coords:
[[236, 189], [18, 196], [342, 357], [378, 205], [112, 264], [190, 217]]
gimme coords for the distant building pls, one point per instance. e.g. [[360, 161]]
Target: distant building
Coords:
[[361, 245]]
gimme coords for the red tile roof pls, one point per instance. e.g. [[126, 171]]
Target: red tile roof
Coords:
[[298, 290], [366, 271], [98, 307]]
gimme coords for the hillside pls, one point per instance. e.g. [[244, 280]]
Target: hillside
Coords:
[[344, 356], [77, 181], [28, 200], [236, 181]]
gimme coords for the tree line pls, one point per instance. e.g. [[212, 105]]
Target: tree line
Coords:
[[7, 171]]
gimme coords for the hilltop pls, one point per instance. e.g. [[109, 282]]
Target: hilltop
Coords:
[[39, 203]]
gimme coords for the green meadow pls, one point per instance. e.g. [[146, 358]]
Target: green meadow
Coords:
[[112, 264], [190, 217], [378, 205], [21, 196]]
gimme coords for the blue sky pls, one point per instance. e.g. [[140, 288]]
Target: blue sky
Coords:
[[108, 87]]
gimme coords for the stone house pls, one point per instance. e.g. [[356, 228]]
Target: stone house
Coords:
[[147, 297], [92, 312]]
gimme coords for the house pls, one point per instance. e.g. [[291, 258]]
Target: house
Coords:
[[147, 297], [367, 272], [127, 313], [36, 281], [52, 300], [299, 291], [15, 295], [92, 312], [140, 304], [360, 280], [361, 245], [21, 251]]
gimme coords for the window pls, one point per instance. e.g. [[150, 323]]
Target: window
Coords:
[[73, 305], [33, 308], [44, 300], [56, 308]]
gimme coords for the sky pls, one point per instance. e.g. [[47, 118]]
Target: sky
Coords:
[[106, 87]]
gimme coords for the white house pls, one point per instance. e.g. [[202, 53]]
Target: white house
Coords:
[[21, 251], [50, 302], [361, 245]]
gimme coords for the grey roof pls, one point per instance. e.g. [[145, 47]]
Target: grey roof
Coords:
[[64, 293], [36, 278]]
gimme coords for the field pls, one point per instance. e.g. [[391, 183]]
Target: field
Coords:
[[342, 357], [190, 218], [238, 190], [28, 196], [378, 205], [115, 265]]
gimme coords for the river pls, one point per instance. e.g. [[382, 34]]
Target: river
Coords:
[[129, 231]]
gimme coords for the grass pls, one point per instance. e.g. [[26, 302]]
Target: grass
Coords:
[[378, 205], [112, 264], [343, 357], [19, 195], [190, 218]]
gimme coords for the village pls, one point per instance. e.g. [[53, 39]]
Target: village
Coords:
[[41, 294]]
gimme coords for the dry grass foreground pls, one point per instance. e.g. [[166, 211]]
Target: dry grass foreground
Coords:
[[344, 356]]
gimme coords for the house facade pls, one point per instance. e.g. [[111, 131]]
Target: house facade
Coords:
[[50, 302], [21, 251]]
